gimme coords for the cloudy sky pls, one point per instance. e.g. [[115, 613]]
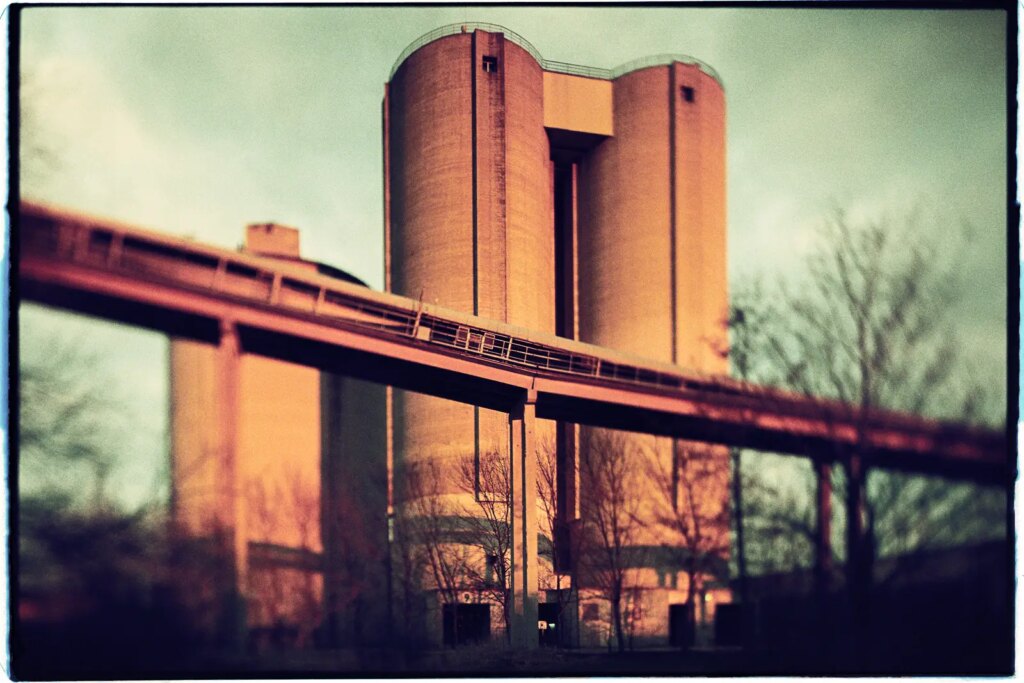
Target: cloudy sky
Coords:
[[198, 121]]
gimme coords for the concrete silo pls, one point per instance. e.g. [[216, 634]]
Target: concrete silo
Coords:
[[306, 493], [652, 272], [468, 206], [570, 200]]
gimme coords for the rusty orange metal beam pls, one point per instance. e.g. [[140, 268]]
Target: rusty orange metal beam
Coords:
[[183, 288]]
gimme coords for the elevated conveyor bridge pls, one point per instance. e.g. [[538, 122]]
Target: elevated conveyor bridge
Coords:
[[245, 304]]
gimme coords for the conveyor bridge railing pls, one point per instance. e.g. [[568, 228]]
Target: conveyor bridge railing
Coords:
[[50, 236]]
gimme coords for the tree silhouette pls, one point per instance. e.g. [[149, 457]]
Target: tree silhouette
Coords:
[[487, 526], [92, 570], [871, 326], [611, 499], [687, 505]]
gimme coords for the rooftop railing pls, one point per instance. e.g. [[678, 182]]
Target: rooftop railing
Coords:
[[550, 65], [464, 27]]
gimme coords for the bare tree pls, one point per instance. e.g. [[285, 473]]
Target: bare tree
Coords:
[[689, 505], [779, 521], [95, 572], [432, 533], [564, 543], [69, 424], [611, 499], [745, 325], [352, 555], [408, 574], [869, 326], [284, 519], [487, 524]]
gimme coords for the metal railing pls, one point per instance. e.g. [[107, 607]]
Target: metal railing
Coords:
[[261, 283], [662, 59], [576, 70], [464, 27], [255, 281], [547, 64]]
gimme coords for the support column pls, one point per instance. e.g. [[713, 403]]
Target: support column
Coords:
[[741, 548], [858, 565], [231, 516], [823, 545], [523, 450], [566, 493], [823, 557]]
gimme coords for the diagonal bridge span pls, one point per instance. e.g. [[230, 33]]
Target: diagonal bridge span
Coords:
[[245, 304], [192, 290]]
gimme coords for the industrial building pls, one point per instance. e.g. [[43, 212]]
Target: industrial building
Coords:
[[309, 494], [563, 199]]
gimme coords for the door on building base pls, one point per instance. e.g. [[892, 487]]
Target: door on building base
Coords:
[[466, 624], [549, 624], [680, 625]]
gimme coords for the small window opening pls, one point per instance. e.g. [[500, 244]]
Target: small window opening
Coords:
[[688, 93], [490, 64]]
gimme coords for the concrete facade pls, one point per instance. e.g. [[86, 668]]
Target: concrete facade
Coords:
[[306, 492], [588, 206], [571, 201]]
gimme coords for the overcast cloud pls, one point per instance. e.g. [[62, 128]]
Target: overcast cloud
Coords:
[[199, 121]]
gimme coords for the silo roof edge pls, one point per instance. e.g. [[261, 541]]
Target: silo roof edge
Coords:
[[549, 65]]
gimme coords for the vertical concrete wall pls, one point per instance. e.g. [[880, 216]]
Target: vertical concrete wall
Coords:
[[530, 240], [652, 221], [309, 490], [279, 451], [702, 295], [470, 208], [469, 205], [430, 109], [464, 123], [431, 205], [578, 104], [625, 239], [626, 247], [652, 270], [275, 497], [354, 510], [194, 437]]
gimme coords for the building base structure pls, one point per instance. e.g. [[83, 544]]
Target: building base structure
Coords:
[[582, 202]]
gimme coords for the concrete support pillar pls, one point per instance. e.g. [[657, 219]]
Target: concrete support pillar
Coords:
[[858, 562], [737, 497], [823, 546], [823, 554], [231, 516], [524, 586], [567, 468]]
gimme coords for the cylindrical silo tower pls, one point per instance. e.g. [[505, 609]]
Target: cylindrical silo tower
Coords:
[[652, 231], [468, 212], [652, 265], [468, 186], [524, 191]]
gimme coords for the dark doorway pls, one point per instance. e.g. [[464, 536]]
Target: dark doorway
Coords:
[[466, 624], [680, 625], [549, 623], [730, 623]]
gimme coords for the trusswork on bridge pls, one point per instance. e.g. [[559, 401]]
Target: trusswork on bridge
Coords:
[[249, 305], [187, 289]]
